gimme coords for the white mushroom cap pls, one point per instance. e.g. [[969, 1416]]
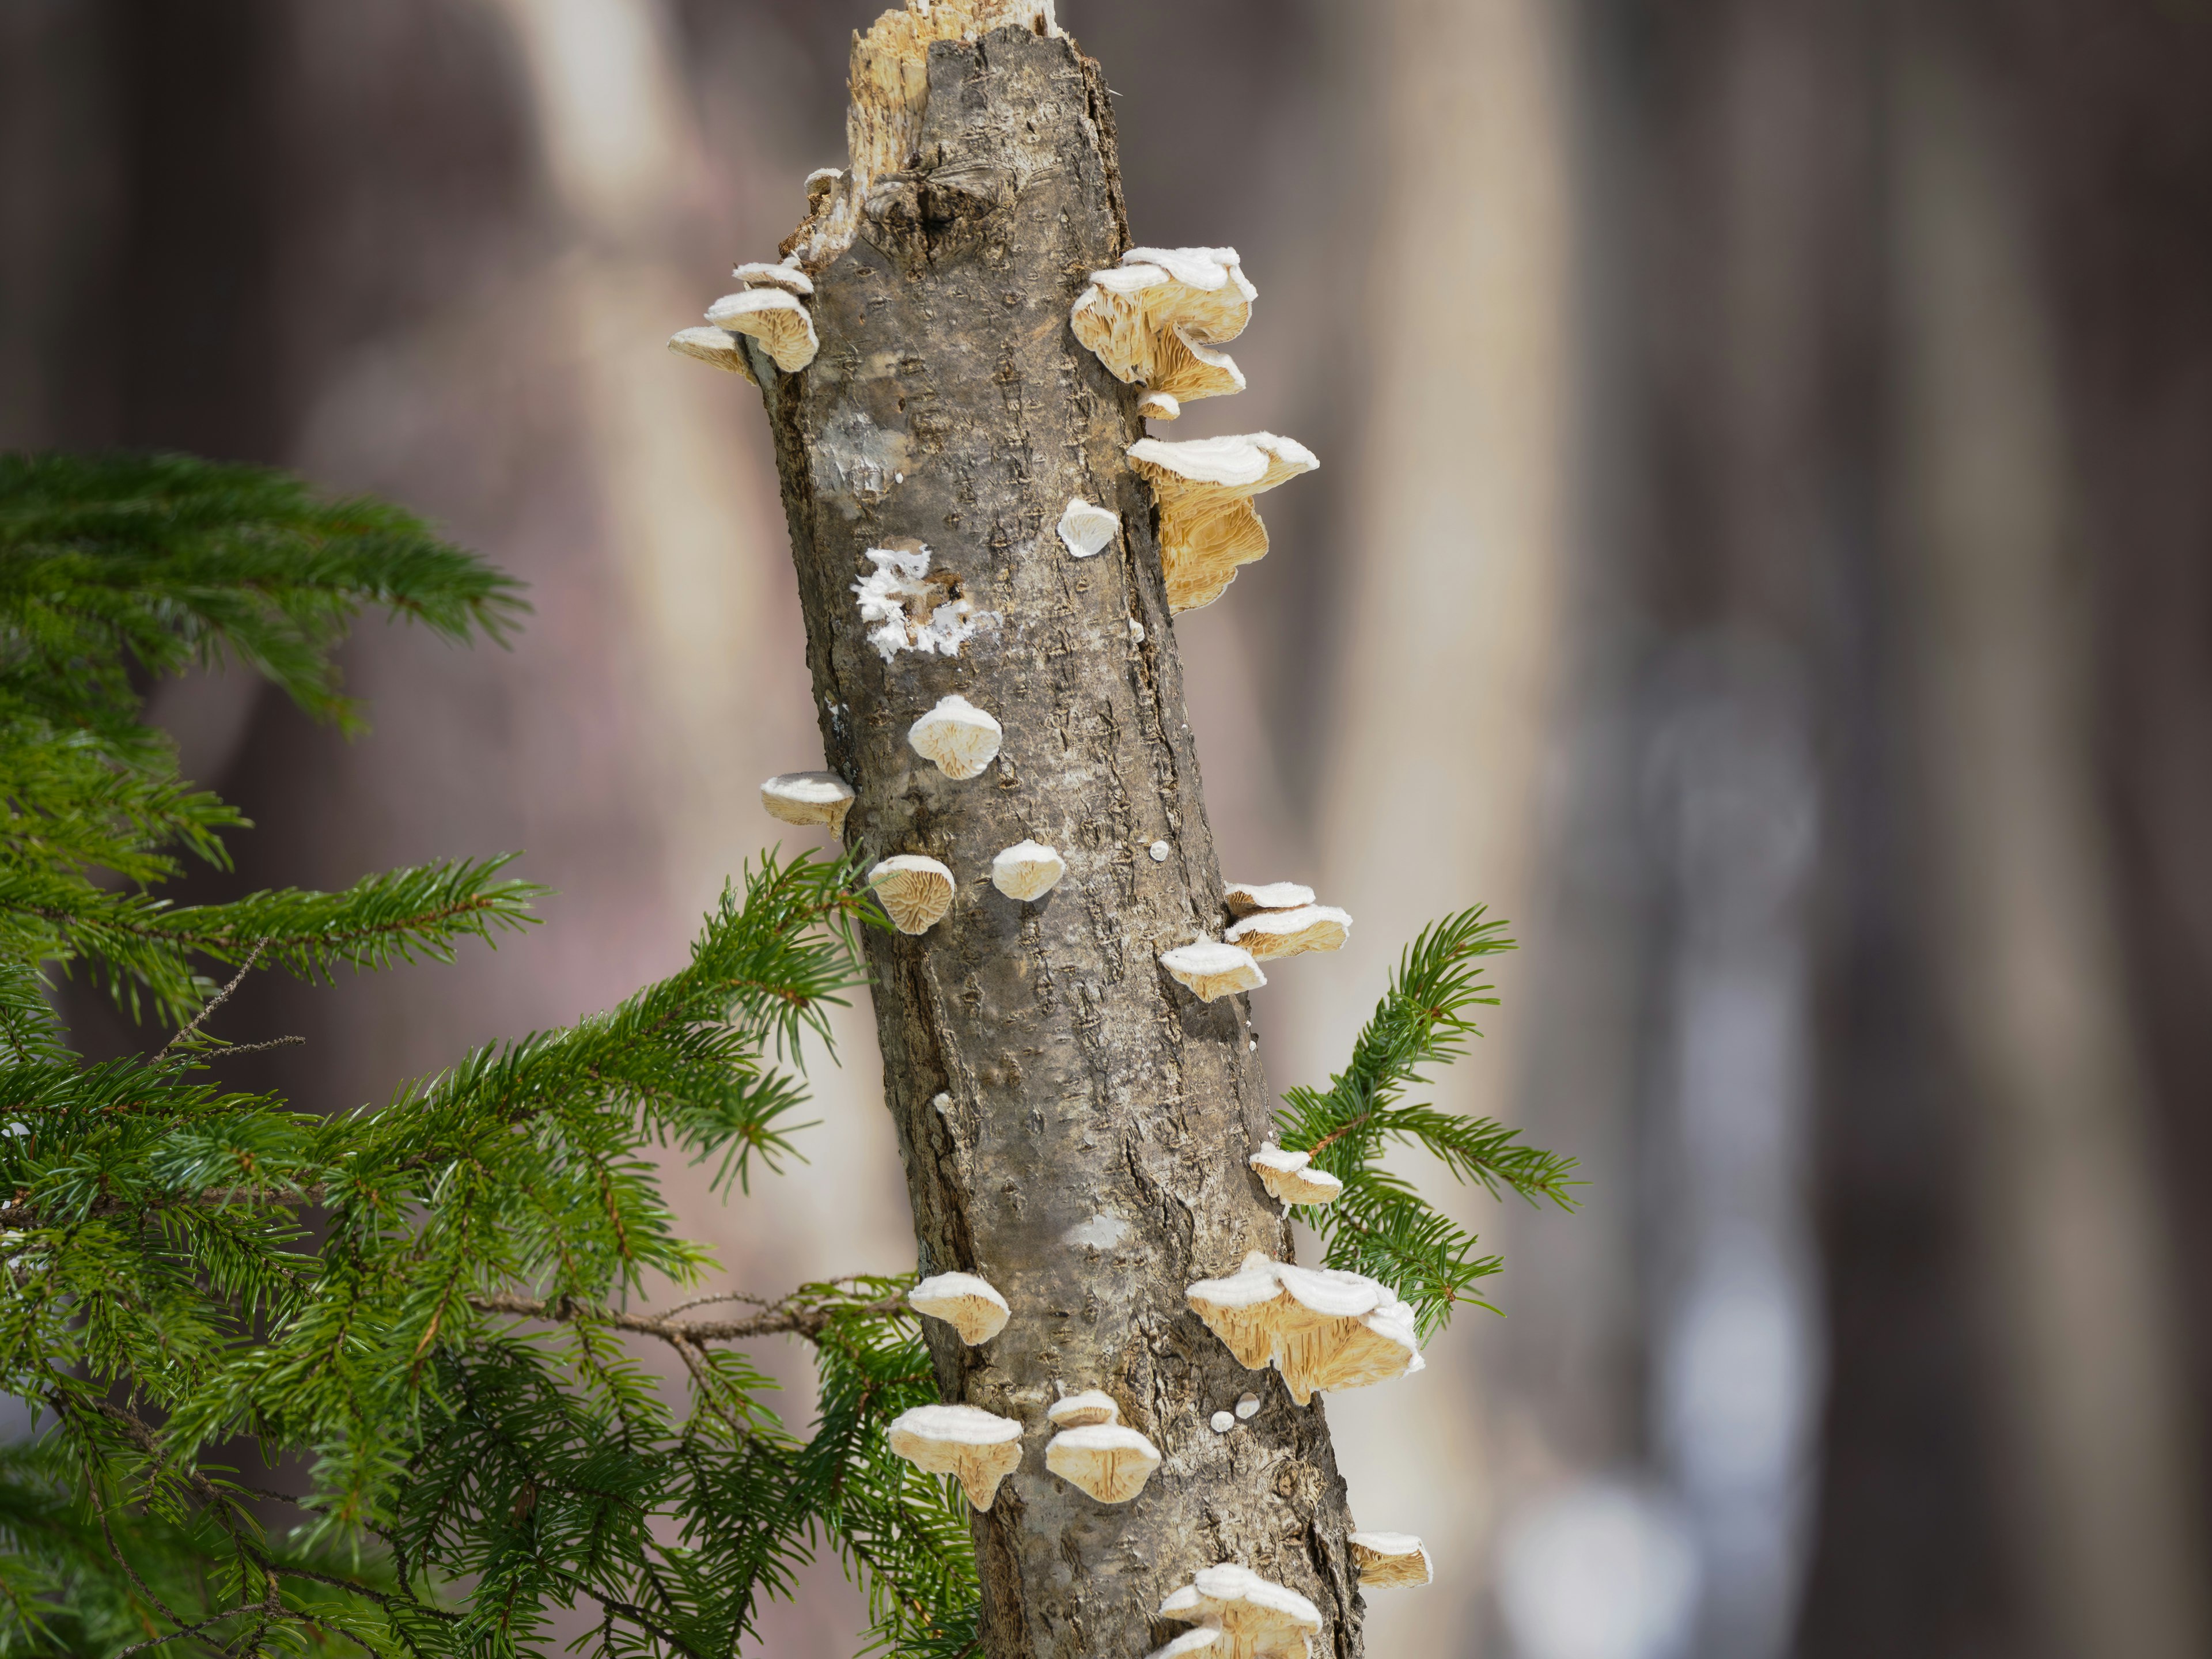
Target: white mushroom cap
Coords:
[[774, 318], [1080, 1410], [1208, 526], [1190, 1642], [1270, 933], [1156, 319], [958, 737], [968, 1304], [1243, 897], [1109, 1460], [808, 797], [786, 276], [1212, 970], [1160, 406], [976, 1447], [1085, 529], [1028, 870], [1222, 1422], [915, 891], [821, 182], [712, 345], [1389, 1559], [1320, 1328], [1248, 1406], [1287, 1177], [1254, 1616]]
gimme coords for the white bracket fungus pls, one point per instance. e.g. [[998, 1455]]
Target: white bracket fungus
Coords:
[[786, 276], [773, 316], [1085, 529], [1155, 318], [1256, 1617], [973, 1446], [916, 608], [958, 736], [1243, 897], [1319, 1327], [1270, 933], [968, 1304], [808, 797], [1081, 1411], [1027, 871], [1109, 1461], [1212, 970], [915, 891], [1208, 525], [1190, 1642], [1388, 1560], [1288, 1179], [712, 345]]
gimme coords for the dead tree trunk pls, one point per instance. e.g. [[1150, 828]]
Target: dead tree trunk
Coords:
[[1075, 1124]]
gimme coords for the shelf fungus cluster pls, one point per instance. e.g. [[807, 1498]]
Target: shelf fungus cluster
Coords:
[[1155, 319], [1319, 1327], [771, 308], [1095, 1451], [1239, 1615]]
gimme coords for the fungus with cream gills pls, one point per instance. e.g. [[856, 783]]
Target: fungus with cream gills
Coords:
[[968, 1304], [712, 345], [1085, 529], [1213, 969], [976, 1447], [1027, 871], [1208, 525], [1155, 319], [776, 318], [786, 276], [1081, 1411], [915, 891], [808, 797], [959, 738], [1255, 1616], [1321, 1327], [1289, 1179], [1189, 1642], [1109, 1461], [1243, 897], [1270, 933], [1389, 1560]]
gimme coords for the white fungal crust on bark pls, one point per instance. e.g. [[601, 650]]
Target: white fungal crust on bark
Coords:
[[1390, 1560], [1062, 1109], [1208, 525], [1319, 1327]]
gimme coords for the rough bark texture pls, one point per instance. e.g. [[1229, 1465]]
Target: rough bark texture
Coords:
[[1075, 1124]]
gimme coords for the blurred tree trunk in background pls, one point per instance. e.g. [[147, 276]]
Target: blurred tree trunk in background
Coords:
[[1817, 630]]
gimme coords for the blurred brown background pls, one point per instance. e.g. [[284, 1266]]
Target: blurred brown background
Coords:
[[1764, 547]]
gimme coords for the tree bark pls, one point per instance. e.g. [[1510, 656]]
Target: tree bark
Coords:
[[1075, 1125]]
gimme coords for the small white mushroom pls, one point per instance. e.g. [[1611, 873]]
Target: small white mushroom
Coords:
[[1190, 1642], [1085, 529], [1158, 851], [1109, 1460], [808, 797], [1212, 970], [1208, 525], [786, 276], [1248, 1406], [1255, 1616], [1028, 870], [958, 737], [915, 891], [774, 317], [1081, 1411], [1243, 897], [1320, 1328], [1160, 406], [1388, 1560], [1270, 933], [1155, 319], [820, 183], [712, 345], [1136, 632], [1223, 1422], [1288, 1178], [973, 1446], [968, 1304]]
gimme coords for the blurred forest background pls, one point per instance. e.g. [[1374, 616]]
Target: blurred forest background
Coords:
[[1763, 547]]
